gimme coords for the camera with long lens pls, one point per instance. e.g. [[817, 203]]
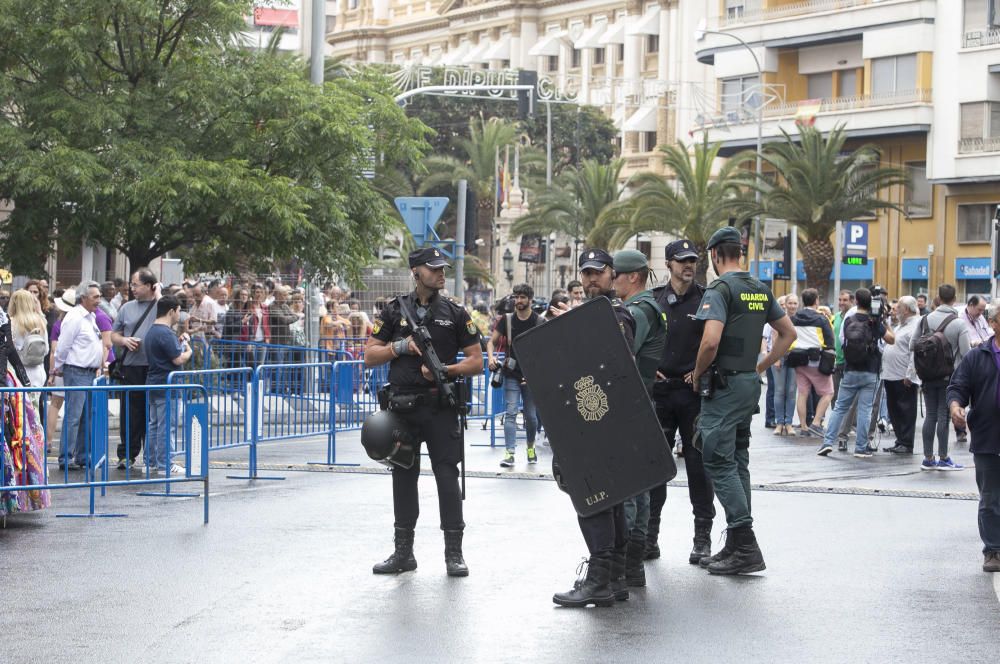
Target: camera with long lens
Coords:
[[508, 364]]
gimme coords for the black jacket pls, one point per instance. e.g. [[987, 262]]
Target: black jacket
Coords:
[[975, 383]]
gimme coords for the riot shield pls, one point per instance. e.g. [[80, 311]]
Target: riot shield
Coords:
[[598, 416]]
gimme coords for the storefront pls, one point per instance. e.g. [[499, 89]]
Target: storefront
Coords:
[[852, 277], [972, 277], [913, 274]]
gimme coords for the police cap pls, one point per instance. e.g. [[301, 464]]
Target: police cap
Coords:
[[726, 235], [429, 256], [679, 250], [595, 259], [629, 260]]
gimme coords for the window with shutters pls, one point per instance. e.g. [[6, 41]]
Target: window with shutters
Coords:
[[981, 22], [919, 194], [974, 223], [652, 44], [820, 85], [894, 74], [648, 141], [735, 9], [739, 93], [598, 56], [552, 63], [847, 83], [574, 58]]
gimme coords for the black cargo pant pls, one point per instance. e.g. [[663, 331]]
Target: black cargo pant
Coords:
[[441, 430], [133, 403], [605, 531], [677, 407]]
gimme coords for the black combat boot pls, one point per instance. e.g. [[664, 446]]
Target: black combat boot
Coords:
[[635, 573], [453, 553], [724, 552], [595, 588], [618, 585], [402, 559], [702, 541], [652, 538], [746, 556]]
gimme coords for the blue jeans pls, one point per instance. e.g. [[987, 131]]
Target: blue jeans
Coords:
[[769, 399], [158, 438], [854, 383], [784, 394], [73, 440], [517, 393]]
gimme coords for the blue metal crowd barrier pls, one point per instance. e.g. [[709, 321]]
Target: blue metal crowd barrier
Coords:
[[238, 354], [94, 415]]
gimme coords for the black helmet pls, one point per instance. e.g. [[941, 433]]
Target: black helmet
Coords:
[[385, 440]]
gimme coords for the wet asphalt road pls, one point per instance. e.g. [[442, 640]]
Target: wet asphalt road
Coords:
[[282, 572]]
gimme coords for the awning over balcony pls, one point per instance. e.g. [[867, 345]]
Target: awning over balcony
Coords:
[[592, 37], [548, 44], [642, 120], [618, 117], [647, 24], [454, 55], [615, 34], [500, 50], [476, 55]]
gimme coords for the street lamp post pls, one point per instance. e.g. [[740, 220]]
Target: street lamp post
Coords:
[[508, 267], [699, 35]]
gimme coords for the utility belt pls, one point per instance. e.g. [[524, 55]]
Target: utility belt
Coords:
[[672, 383], [404, 400]]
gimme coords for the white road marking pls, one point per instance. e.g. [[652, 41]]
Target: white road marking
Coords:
[[996, 584]]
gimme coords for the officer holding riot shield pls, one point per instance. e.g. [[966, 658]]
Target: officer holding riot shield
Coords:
[[424, 404], [605, 533], [735, 308]]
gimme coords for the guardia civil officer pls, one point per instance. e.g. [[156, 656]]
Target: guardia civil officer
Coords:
[[631, 276], [415, 401], [735, 308], [605, 532], [677, 406]]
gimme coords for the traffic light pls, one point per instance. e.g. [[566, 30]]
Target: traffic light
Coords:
[[526, 98], [471, 222]]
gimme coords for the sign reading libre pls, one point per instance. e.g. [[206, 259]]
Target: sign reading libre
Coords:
[[855, 260]]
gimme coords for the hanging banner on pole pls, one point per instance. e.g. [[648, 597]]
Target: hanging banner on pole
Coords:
[[775, 232], [531, 249]]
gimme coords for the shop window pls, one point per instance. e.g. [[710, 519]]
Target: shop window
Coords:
[[919, 194], [974, 223]]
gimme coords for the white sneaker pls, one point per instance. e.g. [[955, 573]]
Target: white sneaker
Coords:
[[176, 471]]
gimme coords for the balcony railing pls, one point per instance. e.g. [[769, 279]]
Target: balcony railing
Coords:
[[986, 37], [761, 14], [777, 110], [973, 145]]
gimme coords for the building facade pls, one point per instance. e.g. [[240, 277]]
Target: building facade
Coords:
[[918, 78]]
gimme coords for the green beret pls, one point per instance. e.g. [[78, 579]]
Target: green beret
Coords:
[[629, 260], [727, 235]]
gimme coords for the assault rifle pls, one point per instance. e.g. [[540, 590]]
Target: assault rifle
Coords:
[[448, 390]]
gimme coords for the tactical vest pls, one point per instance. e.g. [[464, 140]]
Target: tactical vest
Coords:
[[748, 302], [648, 356]]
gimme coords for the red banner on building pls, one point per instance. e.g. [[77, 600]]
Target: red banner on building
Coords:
[[268, 16]]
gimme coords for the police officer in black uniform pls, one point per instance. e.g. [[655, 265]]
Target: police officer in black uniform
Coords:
[[414, 399], [677, 405], [605, 532]]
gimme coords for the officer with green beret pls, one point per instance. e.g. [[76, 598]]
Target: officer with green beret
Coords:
[[735, 308], [631, 276]]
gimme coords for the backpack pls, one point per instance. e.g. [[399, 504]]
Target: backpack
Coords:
[[34, 350], [932, 354], [859, 341]]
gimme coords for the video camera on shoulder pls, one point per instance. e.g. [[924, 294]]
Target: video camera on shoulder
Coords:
[[880, 302]]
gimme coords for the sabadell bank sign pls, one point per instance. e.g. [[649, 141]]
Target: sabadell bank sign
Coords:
[[974, 271]]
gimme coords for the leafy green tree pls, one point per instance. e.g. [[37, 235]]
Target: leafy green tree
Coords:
[[146, 127], [693, 204], [584, 203], [578, 132], [820, 183]]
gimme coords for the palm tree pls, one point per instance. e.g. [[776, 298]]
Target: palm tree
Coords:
[[820, 184], [694, 205], [477, 165], [584, 203]]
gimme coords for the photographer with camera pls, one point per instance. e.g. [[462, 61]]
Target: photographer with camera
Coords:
[[859, 335], [517, 317]]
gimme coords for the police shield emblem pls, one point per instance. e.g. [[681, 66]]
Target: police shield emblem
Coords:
[[598, 416]]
